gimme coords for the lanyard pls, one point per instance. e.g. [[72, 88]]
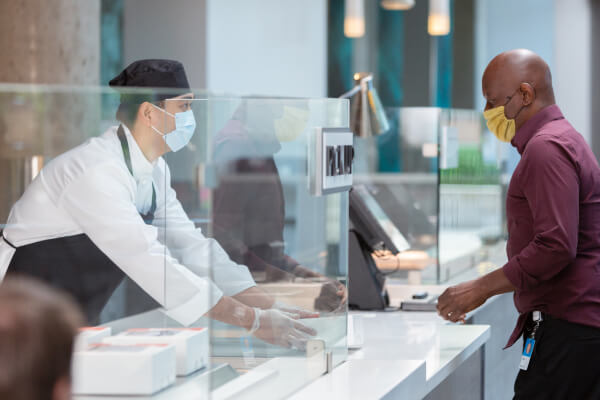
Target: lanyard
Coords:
[[149, 217]]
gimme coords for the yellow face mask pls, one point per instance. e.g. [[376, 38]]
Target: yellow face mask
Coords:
[[499, 125], [291, 124]]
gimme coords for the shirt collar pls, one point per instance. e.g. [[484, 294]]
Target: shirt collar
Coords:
[[139, 163], [534, 124]]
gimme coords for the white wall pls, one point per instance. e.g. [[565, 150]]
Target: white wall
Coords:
[[512, 24], [167, 29], [572, 73], [269, 47]]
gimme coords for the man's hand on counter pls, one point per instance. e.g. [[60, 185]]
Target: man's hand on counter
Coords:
[[334, 294], [456, 301], [333, 297]]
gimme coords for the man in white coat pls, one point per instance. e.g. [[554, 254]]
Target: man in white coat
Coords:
[[99, 212]]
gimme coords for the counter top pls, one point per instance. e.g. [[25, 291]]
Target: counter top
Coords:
[[404, 355], [358, 379], [399, 342]]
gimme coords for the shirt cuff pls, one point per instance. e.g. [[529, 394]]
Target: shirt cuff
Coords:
[[512, 271], [193, 309]]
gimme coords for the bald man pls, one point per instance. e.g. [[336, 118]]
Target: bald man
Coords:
[[553, 214]]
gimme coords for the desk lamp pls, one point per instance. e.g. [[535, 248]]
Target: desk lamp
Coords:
[[367, 116]]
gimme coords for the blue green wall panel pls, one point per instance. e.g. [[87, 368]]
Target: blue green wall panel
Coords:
[[339, 52], [443, 92]]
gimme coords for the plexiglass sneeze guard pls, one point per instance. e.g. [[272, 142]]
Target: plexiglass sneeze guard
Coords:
[[179, 248], [437, 176]]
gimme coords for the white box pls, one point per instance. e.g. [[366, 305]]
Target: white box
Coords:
[[90, 335], [106, 369], [191, 344]]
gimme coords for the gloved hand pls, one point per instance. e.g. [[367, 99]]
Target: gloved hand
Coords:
[[294, 312], [278, 328]]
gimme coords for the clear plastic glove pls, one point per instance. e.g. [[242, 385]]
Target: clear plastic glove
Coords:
[[294, 312], [278, 328]]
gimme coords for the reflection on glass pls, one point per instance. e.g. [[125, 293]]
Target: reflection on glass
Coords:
[[444, 193], [249, 202]]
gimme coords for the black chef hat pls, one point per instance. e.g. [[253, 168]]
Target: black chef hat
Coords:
[[148, 74], [152, 73]]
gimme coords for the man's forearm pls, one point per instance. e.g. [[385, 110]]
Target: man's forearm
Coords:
[[495, 283], [254, 297], [232, 312]]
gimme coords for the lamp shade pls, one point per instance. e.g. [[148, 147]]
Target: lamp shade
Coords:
[[367, 116], [397, 5], [354, 18], [438, 22]]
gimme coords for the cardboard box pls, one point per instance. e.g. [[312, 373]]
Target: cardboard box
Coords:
[[106, 369], [192, 344], [89, 335]]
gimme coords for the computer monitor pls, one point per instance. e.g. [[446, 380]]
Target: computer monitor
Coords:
[[373, 224]]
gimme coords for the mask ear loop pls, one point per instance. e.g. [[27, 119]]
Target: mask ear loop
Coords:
[[166, 112], [511, 97]]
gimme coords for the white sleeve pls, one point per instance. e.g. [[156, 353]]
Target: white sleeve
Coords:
[[101, 202], [197, 252]]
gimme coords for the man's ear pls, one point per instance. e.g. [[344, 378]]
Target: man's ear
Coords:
[[145, 113], [527, 93], [62, 389]]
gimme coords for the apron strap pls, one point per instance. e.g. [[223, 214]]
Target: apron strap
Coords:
[[149, 217]]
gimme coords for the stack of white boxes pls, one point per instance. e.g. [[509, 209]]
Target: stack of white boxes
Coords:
[[136, 361], [191, 344]]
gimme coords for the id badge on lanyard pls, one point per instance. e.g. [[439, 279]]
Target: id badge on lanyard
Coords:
[[530, 342]]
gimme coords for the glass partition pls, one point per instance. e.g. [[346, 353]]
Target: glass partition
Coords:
[[244, 180], [471, 196], [437, 175], [172, 254]]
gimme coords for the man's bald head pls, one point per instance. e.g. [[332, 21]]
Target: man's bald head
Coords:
[[522, 74]]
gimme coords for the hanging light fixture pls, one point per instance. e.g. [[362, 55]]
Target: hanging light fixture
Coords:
[[438, 23], [397, 5], [354, 20], [367, 115]]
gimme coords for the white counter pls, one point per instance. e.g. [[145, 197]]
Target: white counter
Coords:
[[391, 359]]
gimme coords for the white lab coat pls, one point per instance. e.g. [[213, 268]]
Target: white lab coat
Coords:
[[90, 190]]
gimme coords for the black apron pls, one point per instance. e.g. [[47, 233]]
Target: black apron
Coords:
[[74, 263]]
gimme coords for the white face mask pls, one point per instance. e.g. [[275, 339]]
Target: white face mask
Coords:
[[185, 125]]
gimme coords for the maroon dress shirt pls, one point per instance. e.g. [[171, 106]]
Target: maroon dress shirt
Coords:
[[553, 213]]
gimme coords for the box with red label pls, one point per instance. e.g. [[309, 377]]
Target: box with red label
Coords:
[[90, 335], [191, 344], [107, 369]]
